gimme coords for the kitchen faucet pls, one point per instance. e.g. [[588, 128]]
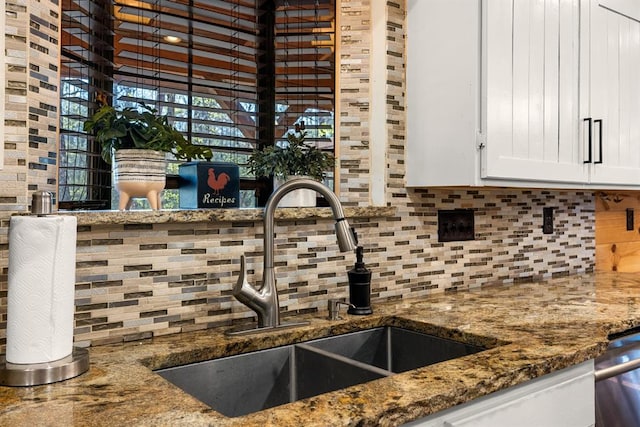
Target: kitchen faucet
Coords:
[[264, 301]]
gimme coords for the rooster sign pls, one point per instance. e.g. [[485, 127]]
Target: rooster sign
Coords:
[[209, 185], [217, 183]]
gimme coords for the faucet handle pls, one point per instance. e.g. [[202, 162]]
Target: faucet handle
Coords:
[[241, 288], [333, 305]]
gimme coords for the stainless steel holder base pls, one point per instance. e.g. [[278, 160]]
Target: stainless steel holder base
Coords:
[[252, 329], [19, 375]]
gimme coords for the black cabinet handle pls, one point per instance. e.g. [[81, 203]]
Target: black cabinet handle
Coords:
[[599, 123], [590, 131]]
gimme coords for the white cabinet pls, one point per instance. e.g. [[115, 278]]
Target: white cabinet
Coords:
[[530, 91], [614, 90], [442, 78], [518, 93], [562, 399]]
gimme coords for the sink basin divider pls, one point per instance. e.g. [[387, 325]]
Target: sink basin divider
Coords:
[[346, 360], [293, 375], [389, 351]]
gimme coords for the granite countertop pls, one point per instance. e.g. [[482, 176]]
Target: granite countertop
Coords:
[[173, 216], [533, 329]]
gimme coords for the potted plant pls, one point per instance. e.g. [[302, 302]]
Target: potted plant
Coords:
[[293, 159], [138, 141]]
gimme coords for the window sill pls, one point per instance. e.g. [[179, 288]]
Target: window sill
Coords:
[[183, 216]]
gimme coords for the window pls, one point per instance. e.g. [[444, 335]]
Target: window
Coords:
[[233, 75]]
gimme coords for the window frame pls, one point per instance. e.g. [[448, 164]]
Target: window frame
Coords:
[[100, 86]]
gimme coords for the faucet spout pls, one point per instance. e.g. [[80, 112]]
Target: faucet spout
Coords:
[[264, 301], [346, 239]]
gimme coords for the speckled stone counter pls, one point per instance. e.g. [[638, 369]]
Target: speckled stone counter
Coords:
[[532, 329], [217, 215]]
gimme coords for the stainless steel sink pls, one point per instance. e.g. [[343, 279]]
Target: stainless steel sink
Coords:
[[239, 385], [250, 382], [395, 349]]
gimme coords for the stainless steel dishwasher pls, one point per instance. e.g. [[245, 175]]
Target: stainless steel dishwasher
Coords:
[[618, 383]]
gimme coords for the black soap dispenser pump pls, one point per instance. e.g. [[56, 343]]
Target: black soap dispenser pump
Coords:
[[359, 286]]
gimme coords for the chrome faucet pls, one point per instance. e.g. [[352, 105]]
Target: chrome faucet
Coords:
[[264, 301]]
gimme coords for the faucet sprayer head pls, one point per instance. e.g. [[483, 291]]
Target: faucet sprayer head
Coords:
[[344, 233]]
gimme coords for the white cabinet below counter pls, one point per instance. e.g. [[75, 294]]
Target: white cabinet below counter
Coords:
[[535, 94], [561, 399]]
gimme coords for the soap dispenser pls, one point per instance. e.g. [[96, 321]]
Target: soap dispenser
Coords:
[[359, 286]]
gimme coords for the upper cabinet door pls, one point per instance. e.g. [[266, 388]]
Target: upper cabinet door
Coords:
[[523, 93], [614, 87], [531, 74]]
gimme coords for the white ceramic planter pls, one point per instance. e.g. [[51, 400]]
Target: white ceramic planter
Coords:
[[139, 173], [301, 198]]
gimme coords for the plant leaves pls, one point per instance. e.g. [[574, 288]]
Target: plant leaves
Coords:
[[296, 158], [129, 128]]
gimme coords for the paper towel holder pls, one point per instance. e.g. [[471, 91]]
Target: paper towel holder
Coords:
[[32, 374], [26, 375]]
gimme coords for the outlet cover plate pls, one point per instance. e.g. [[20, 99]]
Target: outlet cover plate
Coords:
[[456, 225], [547, 220]]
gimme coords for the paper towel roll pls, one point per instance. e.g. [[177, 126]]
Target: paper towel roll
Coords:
[[41, 279]]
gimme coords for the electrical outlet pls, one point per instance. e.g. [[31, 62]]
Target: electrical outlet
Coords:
[[547, 220], [456, 225]]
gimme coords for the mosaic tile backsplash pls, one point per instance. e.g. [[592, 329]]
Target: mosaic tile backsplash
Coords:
[[31, 30], [139, 281]]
